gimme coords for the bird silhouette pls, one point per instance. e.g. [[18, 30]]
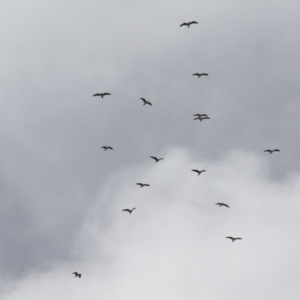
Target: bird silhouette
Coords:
[[222, 204], [202, 118], [200, 115], [188, 24], [107, 147], [129, 210], [199, 172], [146, 102], [77, 274], [101, 94], [142, 184], [232, 238], [200, 74], [271, 151], [156, 159]]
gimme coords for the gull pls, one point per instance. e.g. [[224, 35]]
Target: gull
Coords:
[[101, 94], [232, 238], [202, 118], [222, 204], [199, 172], [156, 159], [77, 274], [200, 74], [142, 184], [188, 24], [106, 147], [271, 151], [129, 210], [146, 102]]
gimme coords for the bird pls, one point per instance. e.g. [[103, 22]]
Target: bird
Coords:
[[129, 210], [232, 238], [202, 118], [77, 274], [271, 151], [200, 74], [199, 172], [107, 147], [142, 184], [156, 159], [222, 204], [200, 115], [101, 94], [146, 102], [188, 24]]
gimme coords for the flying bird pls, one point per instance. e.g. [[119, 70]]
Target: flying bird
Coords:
[[222, 204], [199, 172], [232, 238], [202, 118], [200, 74], [146, 102], [101, 94], [142, 184], [271, 151], [129, 210], [188, 24], [156, 159], [200, 115], [77, 274], [107, 147]]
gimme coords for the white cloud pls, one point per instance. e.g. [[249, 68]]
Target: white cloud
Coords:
[[173, 245]]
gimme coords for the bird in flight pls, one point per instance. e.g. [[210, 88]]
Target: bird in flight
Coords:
[[202, 118], [188, 24], [146, 102], [222, 204], [156, 159], [101, 94], [199, 172], [271, 151], [129, 210], [142, 184], [200, 115], [200, 74], [232, 238], [106, 148], [77, 274]]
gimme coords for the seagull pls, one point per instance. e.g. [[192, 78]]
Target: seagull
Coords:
[[77, 274], [271, 151], [101, 94], [142, 184], [146, 102], [188, 24], [107, 147], [222, 204], [156, 159], [199, 172], [200, 115], [129, 210], [200, 74], [202, 118], [232, 238]]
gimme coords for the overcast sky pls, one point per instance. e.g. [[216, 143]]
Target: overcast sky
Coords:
[[62, 196]]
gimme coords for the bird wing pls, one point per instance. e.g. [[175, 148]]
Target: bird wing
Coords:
[[109, 147], [229, 237], [146, 184], [147, 102], [237, 238], [277, 150], [155, 158], [204, 74], [196, 74], [104, 94], [139, 184], [79, 275], [197, 171], [268, 150], [126, 209], [193, 22], [184, 24], [144, 100], [225, 205], [96, 95], [75, 273]]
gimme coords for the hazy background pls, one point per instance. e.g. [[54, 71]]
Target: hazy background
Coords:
[[62, 196]]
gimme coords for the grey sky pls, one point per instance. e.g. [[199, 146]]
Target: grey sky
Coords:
[[62, 196]]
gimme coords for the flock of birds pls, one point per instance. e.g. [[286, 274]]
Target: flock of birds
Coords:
[[199, 117]]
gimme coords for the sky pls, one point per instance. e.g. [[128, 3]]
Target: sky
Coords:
[[62, 196]]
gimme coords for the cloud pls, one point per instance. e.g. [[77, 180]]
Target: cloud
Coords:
[[173, 245]]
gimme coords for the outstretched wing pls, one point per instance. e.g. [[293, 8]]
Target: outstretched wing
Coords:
[[155, 158], [197, 171], [139, 184], [230, 237], [277, 150], [106, 94], [268, 151], [97, 95], [225, 205], [193, 22], [126, 210], [184, 24], [196, 74]]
